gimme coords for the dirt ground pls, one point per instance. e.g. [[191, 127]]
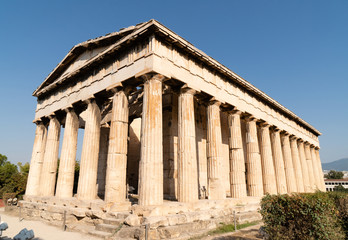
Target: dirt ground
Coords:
[[41, 230]]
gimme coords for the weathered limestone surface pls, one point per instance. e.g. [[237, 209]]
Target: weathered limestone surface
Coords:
[[102, 160], [237, 164], [225, 153], [304, 165], [201, 142], [278, 162], [268, 174], [253, 163], [170, 145], [187, 161], [216, 188], [49, 167], [87, 184], [321, 175], [115, 188], [289, 169], [151, 161], [315, 168], [65, 182], [310, 167], [297, 164], [33, 184]]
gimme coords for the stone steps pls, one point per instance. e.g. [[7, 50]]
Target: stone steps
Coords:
[[100, 234], [113, 221]]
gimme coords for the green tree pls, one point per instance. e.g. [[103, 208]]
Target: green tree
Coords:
[[334, 175]]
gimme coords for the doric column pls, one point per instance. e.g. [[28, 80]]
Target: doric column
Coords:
[[268, 174], [297, 164], [305, 174], [115, 186], [102, 160], [49, 167], [310, 166], [253, 161], [151, 156], [187, 157], [87, 185], [321, 175], [315, 168], [237, 163], [288, 166], [278, 161], [33, 183], [214, 143], [65, 183]]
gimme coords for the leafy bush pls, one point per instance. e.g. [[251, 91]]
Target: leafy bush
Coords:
[[341, 201], [301, 216]]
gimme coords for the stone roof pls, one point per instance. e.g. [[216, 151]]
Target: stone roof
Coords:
[[117, 39]]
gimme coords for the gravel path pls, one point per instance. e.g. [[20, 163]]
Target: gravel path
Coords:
[[41, 230]]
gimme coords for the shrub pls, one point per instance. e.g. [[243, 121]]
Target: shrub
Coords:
[[301, 216], [341, 201]]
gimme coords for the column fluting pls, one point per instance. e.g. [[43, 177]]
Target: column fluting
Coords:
[[65, 183], [214, 144], [315, 168], [297, 164], [115, 186], [33, 183], [151, 156], [237, 163], [310, 166], [253, 161], [268, 174], [288, 166], [49, 167], [187, 155], [304, 165], [87, 184], [322, 182], [278, 161]]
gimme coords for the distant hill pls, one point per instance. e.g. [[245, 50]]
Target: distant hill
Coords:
[[339, 165]]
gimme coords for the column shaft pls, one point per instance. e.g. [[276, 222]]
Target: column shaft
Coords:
[[87, 184], [151, 160], [237, 164], [33, 183], [315, 168], [115, 188], [214, 143], [268, 174], [278, 162], [49, 167], [322, 182], [187, 161], [65, 183], [102, 160], [253, 163], [288, 166], [304, 165], [310, 167], [297, 164]]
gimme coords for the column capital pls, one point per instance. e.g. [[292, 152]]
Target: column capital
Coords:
[[275, 129], [250, 118], [317, 148], [152, 76], [300, 140], [186, 89], [117, 87], [264, 124], [294, 138], [285, 133], [214, 101]]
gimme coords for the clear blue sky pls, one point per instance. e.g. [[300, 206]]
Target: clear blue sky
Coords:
[[295, 51]]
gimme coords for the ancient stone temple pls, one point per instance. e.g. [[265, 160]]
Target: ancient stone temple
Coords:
[[168, 132]]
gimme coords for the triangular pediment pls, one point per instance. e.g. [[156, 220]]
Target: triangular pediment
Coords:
[[83, 52]]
